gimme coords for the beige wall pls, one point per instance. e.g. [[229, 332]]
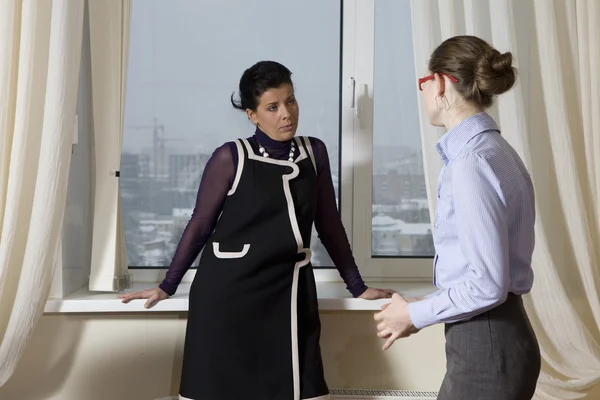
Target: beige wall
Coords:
[[138, 357]]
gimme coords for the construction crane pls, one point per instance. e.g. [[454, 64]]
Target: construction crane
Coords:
[[158, 144]]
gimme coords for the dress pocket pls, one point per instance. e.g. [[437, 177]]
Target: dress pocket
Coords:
[[229, 254]]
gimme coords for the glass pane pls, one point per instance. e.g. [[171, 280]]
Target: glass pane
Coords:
[[400, 219], [186, 59]]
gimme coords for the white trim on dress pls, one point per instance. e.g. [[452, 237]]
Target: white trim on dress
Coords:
[[240, 167], [229, 254], [301, 249]]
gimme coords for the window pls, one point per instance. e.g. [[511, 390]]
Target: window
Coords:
[[186, 58], [391, 225], [355, 93], [399, 195]]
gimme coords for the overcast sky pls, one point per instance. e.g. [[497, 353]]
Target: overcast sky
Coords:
[[187, 56]]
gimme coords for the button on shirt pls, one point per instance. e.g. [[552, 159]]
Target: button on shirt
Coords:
[[483, 226]]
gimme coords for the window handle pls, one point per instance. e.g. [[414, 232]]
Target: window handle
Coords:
[[353, 83]]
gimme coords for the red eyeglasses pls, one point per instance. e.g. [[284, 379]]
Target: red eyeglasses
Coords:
[[430, 77]]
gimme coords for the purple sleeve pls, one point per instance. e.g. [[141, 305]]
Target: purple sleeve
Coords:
[[329, 224], [215, 183]]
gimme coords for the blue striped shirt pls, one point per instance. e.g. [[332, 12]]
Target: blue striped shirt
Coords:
[[483, 226]]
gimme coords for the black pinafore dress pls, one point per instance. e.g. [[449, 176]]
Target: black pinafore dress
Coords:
[[253, 324]]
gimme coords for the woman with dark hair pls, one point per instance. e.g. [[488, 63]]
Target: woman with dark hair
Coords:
[[483, 234], [253, 324]]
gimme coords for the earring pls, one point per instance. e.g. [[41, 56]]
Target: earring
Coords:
[[446, 103], [441, 102]]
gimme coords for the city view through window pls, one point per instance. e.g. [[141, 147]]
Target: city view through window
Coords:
[[180, 77]]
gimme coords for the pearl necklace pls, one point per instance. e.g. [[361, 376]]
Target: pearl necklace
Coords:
[[264, 153]]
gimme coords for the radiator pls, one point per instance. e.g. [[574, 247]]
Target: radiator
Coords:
[[372, 394], [377, 394]]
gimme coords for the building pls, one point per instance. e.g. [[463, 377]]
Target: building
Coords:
[[394, 237]]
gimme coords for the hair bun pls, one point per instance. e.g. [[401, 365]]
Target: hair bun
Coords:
[[502, 63], [494, 73]]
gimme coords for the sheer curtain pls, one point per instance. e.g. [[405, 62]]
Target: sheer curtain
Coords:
[[40, 47], [552, 118]]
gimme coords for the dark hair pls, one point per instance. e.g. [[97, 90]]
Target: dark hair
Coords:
[[481, 70], [257, 79]]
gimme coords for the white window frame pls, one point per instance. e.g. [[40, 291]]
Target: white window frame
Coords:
[[356, 184], [356, 144], [357, 148]]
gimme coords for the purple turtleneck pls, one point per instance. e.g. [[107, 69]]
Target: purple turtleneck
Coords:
[[216, 181]]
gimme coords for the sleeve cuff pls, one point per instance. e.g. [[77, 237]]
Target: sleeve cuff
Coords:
[[357, 290], [420, 314], [168, 289]]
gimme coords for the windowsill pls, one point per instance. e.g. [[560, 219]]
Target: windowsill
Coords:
[[332, 297]]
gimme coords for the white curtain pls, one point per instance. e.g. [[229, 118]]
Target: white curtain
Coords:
[[109, 45], [552, 118], [40, 48]]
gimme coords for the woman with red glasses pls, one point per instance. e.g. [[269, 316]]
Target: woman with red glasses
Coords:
[[483, 234]]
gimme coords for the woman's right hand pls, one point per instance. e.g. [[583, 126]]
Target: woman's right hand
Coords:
[[153, 295]]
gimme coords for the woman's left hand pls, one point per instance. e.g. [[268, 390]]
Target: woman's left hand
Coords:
[[374, 294]]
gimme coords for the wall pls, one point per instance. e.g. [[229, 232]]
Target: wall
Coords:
[[138, 357]]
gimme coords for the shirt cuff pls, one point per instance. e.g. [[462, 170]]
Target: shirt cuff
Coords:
[[420, 314]]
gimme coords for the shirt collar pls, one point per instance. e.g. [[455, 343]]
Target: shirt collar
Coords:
[[450, 145]]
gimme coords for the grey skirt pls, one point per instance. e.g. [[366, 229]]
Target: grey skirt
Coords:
[[493, 356]]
